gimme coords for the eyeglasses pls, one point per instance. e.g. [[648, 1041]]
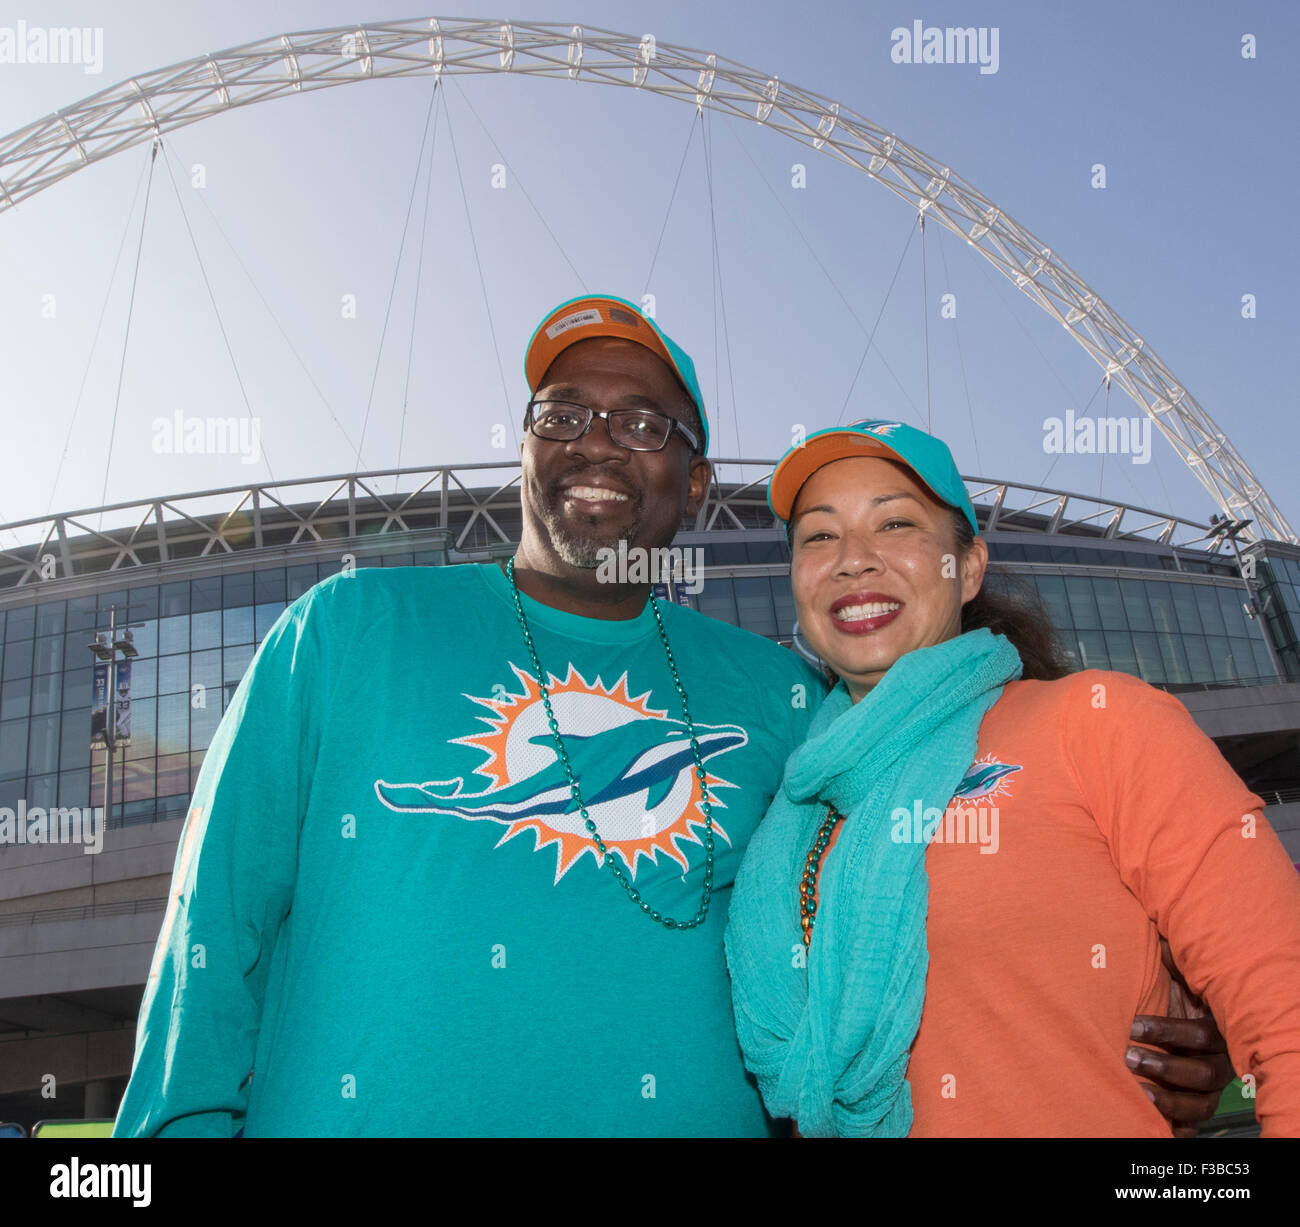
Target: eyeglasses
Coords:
[[641, 430]]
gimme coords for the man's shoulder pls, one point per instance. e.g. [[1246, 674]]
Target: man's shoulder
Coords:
[[735, 644], [385, 585]]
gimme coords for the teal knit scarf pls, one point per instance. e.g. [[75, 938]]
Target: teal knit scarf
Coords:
[[829, 1041]]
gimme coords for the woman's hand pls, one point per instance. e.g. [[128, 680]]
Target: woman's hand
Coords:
[[1186, 1081]]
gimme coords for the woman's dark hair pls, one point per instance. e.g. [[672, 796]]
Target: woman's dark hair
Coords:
[[1017, 612]]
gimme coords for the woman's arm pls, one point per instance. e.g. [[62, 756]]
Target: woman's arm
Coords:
[[1191, 842]]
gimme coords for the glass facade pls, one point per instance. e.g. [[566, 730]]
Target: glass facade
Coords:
[[196, 637]]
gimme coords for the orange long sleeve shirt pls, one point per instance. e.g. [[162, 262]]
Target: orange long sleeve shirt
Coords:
[[1108, 818]]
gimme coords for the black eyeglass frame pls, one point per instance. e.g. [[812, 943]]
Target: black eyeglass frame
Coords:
[[607, 414]]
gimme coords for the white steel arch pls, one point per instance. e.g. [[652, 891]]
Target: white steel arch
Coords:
[[143, 108]]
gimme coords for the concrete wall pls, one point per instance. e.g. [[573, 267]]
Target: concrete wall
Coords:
[[134, 863]]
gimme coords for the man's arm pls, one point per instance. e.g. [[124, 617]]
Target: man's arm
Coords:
[[231, 887]]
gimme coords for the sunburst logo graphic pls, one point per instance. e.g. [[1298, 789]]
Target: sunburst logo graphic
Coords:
[[986, 777], [633, 763]]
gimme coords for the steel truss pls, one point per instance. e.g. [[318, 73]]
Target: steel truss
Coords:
[[144, 108], [469, 505]]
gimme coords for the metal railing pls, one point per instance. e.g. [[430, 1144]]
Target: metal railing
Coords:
[[89, 911], [469, 504]]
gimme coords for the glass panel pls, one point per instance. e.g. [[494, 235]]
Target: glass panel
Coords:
[[1135, 604], [107, 601], [754, 604], [205, 669], [1092, 650], [144, 679], [237, 590], [772, 553], [174, 599], [144, 715], [81, 615], [16, 699], [76, 739], [146, 638], [205, 630], [76, 687], [717, 601], [173, 775], [18, 659], [173, 724], [1110, 604], [266, 618], [236, 664], [1174, 658], [43, 748], [74, 787], [11, 791], [1234, 616], [46, 692], [727, 553], [21, 624], [1243, 659], [237, 626], [1220, 657], [143, 604], [173, 674], [140, 781], [1150, 666], [48, 655], [299, 579], [1207, 609], [1162, 607], [174, 635], [1198, 659], [204, 721], [1122, 656], [1083, 605], [13, 748], [42, 792], [784, 601], [1189, 621], [1264, 666], [269, 586], [1052, 590], [51, 619], [205, 594]]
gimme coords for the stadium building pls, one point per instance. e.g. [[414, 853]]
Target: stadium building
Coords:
[[199, 579]]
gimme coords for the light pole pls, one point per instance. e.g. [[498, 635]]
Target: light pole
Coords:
[[105, 649]]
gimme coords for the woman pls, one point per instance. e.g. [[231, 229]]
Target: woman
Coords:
[[1055, 828]]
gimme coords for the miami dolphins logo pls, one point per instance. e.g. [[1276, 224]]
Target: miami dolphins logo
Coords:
[[986, 777], [633, 764], [876, 427]]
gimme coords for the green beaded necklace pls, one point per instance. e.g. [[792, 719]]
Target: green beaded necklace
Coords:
[[667, 921]]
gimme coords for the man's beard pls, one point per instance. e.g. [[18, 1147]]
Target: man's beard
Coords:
[[579, 548]]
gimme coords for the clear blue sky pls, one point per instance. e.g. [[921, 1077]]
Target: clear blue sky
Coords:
[[312, 192]]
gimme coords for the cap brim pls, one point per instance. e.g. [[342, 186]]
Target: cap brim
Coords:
[[818, 451], [563, 327]]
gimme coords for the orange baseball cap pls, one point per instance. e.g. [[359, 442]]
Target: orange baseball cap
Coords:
[[603, 315]]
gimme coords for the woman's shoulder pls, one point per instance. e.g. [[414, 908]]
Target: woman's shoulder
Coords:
[[1089, 700]]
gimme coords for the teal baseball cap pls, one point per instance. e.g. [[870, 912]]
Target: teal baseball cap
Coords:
[[927, 457], [603, 315]]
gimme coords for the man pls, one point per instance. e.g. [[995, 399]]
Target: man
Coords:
[[459, 857]]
